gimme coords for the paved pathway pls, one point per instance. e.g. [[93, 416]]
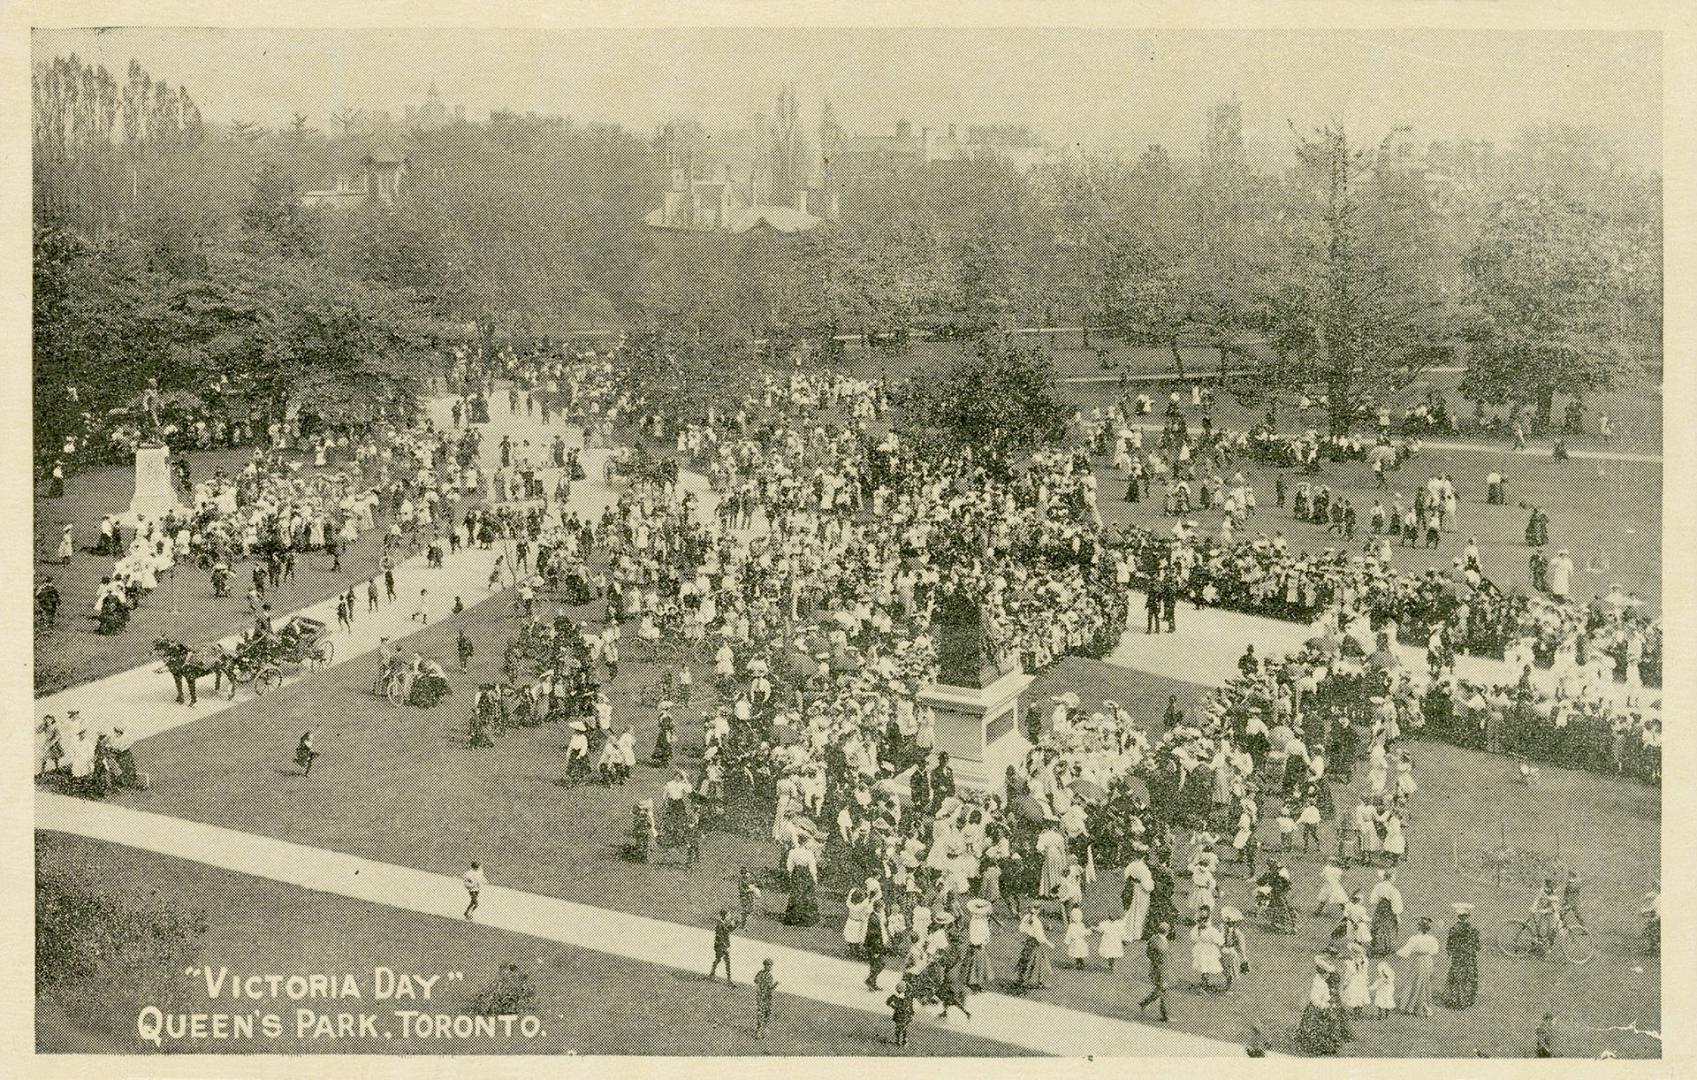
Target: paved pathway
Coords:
[[1022, 1022], [147, 696]]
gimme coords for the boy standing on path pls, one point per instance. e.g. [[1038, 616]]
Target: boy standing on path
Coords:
[[474, 883], [722, 944], [901, 1011], [764, 985]]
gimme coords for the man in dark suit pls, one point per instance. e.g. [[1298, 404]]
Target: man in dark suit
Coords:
[[942, 778], [1156, 950]]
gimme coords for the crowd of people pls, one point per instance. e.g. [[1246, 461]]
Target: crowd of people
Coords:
[[839, 572], [820, 585], [1199, 470]]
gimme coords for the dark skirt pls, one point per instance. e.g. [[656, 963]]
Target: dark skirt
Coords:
[[1461, 986], [803, 909], [1316, 1034], [1385, 930], [1034, 968]]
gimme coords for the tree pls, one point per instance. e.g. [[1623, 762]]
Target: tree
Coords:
[[274, 213], [787, 147], [248, 131], [1358, 304], [997, 400], [1546, 282]]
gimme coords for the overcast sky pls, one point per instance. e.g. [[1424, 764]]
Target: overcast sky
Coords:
[[1103, 88]]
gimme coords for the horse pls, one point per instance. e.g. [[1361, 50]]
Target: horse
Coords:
[[186, 665]]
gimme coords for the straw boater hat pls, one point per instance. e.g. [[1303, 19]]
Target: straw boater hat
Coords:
[[1463, 910], [1322, 964], [979, 906]]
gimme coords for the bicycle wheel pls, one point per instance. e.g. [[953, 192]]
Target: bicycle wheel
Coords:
[[1578, 945], [268, 679], [397, 696], [1517, 938]]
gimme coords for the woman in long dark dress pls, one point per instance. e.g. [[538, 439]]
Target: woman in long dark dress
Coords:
[[803, 908], [1281, 916], [1318, 1034], [1034, 967], [1161, 906], [1387, 925], [1461, 986]]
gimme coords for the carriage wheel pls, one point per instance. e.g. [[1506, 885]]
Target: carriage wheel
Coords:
[[397, 696], [321, 655], [267, 679], [1577, 944], [1518, 938]]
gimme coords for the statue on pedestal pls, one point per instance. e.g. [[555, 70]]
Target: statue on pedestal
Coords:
[[965, 656]]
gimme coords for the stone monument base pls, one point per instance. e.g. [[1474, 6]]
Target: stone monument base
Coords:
[[979, 728], [155, 494]]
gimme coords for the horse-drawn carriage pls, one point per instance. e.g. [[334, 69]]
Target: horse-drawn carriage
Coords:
[[642, 466], [298, 642]]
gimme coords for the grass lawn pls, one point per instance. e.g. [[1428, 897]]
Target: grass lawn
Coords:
[[1634, 408], [73, 653], [400, 785], [588, 1003], [1612, 507]]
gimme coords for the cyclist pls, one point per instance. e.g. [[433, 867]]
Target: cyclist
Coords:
[[1570, 913], [1546, 914], [386, 655]]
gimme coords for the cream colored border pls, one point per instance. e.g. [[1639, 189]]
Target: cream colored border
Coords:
[[1678, 21]]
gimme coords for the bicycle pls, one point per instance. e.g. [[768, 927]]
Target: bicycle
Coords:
[[1521, 938]]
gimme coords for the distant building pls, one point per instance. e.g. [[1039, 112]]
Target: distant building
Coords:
[[721, 203], [378, 174], [865, 156], [381, 123], [433, 114]]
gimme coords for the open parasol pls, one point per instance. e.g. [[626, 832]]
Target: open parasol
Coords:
[[1089, 790], [1384, 660], [1030, 809]]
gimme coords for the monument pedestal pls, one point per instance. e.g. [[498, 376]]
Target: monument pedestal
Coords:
[[155, 494], [979, 728]]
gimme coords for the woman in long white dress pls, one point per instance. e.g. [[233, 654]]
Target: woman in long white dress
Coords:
[[1205, 942], [859, 911], [1355, 993]]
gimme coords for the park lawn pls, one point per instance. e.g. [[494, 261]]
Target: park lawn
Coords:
[[73, 653], [404, 788], [1634, 407], [1612, 507], [588, 1002]]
